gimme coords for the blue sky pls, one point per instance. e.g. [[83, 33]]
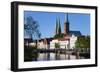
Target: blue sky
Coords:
[[47, 21]]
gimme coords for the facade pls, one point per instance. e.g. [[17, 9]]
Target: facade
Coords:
[[62, 42], [65, 43]]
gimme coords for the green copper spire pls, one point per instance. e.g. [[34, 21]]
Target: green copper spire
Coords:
[[56, 29], [59, 26]]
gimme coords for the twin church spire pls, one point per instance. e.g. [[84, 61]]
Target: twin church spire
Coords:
[[58, 26]]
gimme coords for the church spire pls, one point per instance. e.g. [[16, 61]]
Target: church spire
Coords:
[[59, 26], [66, 18], [56, 31], [66, 25]]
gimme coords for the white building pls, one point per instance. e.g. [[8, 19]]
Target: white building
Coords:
[[64, 42]]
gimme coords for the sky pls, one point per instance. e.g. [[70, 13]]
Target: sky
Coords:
[[47, 21]]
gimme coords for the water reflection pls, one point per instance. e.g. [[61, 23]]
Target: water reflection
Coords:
[[53, 56]]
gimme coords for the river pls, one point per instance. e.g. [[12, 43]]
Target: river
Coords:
[[53, 56]]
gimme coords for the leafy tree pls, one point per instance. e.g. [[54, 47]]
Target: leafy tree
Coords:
[[59, 36], [29, 53], [31, 27], [57, 55], [87, 44], [83, 42], [57, 45]]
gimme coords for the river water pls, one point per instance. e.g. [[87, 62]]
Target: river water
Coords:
[[53, 56]]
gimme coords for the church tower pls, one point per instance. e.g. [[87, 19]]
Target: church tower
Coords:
[[58, 27], [66, 25]]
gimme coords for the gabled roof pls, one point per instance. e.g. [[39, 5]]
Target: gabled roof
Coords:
[[27, 39], [76, 33]]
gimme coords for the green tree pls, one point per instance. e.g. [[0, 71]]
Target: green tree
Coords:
[[83, 42], [29, 53], [57, 45], [57, 52], [87, 44], [59, 36]]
